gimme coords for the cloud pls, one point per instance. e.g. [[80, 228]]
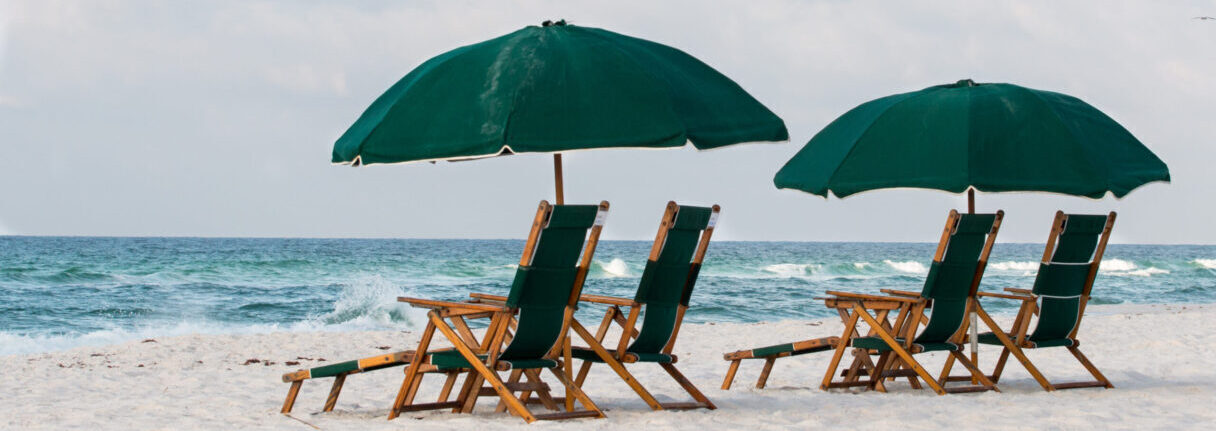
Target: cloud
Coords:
[[217, 118], [11, 102], [307, 79]]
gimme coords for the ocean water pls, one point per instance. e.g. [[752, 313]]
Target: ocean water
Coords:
[[58, 293]]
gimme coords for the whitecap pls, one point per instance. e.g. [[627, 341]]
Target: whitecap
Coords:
[[910, 266], [1146, 272], [791, 269], [861, 265], [1206, 263], [1116, 265], [369, 303], [615, 268], [1014, 266]]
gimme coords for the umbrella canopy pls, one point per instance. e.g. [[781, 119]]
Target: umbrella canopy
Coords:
[[553, 88], [988, 137]]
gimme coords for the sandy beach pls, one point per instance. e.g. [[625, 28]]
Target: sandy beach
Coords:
[[1154, 354]]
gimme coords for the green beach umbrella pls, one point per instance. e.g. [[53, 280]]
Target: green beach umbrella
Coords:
[[969, 136], [554, 88]]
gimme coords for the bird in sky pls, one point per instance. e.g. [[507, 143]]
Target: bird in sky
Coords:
[[1206, 18]]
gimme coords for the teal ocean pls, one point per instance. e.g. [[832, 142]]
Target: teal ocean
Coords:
[[58, 293]]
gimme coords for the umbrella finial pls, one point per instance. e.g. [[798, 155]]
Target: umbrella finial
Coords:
[[549, 23], [965, 83]]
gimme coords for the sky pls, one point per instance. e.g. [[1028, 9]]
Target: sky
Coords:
[[152, 118]]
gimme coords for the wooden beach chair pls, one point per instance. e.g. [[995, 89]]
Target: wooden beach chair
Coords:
[[539, 307], [663, 294], [339, 371], [949, 293], [1059, 295], [770, 355]]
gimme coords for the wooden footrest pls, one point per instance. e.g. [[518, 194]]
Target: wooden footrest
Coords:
[[537, 400], [962, 378], [847, 384], [1074, 385], [683, 406], [899, 373], [783, 350], [430, 406], [966, 389], [568, 415], [514, 387]]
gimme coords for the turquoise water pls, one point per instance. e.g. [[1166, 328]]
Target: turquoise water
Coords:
[[58, 293]]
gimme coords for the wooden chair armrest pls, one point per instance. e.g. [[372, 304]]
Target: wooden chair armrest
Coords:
[[1004, 296], [610, 300], [901, 293], [488, 297], [1021, 291], [862, 296], [428, 303]]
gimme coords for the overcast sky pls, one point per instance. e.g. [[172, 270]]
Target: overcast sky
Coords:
[[217, 118]]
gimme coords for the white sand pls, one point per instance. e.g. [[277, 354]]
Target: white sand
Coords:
[[1160, 359]]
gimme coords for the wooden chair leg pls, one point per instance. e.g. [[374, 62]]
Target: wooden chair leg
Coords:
[[730, 374], [411, 372], [1000, 365], [546, 399], [409, 398], [334, 390], [447, 386], [688, 386], [490, 376], [861, 364], [899, 350], [470, 381], [583, 370], [523, 396], [976, 374], [292, 392], [1014, 349], [911, 379], [578, 393], [768, 367], [849, 326], [1090, 366], [615, 365], [946, 369], [876, 379]]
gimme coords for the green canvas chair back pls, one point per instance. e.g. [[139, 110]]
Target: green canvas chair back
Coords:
[[1066, 275], [542, 289], [953, 279], [667, 281]]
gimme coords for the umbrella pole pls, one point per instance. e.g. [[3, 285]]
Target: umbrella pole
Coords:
[[557, 177], [974, 327], [970, 196]]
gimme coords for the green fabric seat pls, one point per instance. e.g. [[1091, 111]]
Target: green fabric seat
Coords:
[[542, 290], [778, 349], [1061, 282], [949, 283], [876, 343], [990, 338], [345, 367], [589, 355], [667, 283], [451, 360]]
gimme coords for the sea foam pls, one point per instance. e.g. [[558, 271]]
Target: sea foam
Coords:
[[910, 266], [790, 269], [615, 268], [1014, 266], [1206, 263]]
